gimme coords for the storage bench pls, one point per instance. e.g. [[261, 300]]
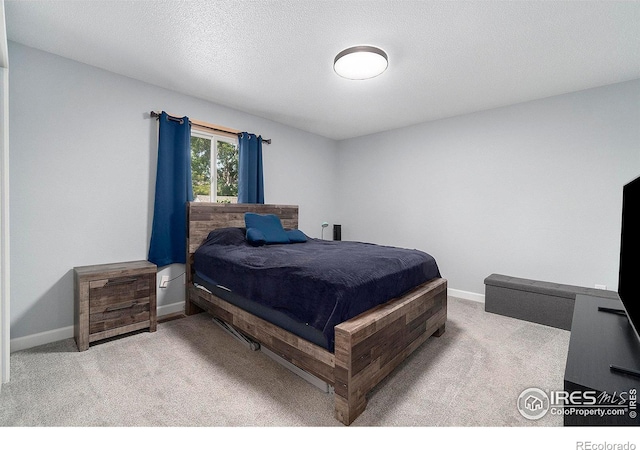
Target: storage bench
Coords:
[[535, 301]]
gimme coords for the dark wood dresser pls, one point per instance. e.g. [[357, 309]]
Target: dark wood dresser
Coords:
[[113, 299], [598, 340]]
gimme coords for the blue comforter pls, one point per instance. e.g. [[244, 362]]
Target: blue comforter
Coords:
[[319, 283]]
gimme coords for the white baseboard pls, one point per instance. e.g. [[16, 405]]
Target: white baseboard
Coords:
[[33, 340], [171, 308], [465, 295], [46, 337]]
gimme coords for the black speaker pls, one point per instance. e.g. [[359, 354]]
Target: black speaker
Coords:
[[337, 232]]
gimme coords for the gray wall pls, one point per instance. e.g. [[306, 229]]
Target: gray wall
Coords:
[[531, 190], [83, 155]]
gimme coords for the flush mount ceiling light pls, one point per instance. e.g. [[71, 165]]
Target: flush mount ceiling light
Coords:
[[360, 62]]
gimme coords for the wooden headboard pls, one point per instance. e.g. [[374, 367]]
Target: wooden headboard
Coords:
[[204, 217]]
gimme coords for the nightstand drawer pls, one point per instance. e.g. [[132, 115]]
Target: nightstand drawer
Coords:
[[118, 315], [114, 291]]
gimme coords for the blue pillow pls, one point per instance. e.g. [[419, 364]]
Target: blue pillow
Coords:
[[255, 237], [269, 225], [296, 236]]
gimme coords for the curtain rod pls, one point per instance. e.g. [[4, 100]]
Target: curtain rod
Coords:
[[203, 125]]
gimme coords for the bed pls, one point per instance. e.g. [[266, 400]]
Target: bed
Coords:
[[357, 353]]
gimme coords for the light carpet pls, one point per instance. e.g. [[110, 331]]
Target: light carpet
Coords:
[[191, 373]]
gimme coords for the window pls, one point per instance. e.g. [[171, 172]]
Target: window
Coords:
[[214, 167]]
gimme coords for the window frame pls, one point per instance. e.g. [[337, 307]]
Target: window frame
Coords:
[[214, 138]]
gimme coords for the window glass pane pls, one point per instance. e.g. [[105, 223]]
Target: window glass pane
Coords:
[[201, 168], [227, 172]]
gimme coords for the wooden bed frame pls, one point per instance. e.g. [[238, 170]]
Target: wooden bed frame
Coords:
[[367, 347]]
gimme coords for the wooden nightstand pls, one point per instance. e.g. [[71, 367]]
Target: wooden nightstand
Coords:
[[113, 299]]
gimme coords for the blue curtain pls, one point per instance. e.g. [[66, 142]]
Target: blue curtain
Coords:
[[250, 178], [173, 191]]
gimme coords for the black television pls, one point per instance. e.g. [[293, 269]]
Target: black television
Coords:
[[628, 275]]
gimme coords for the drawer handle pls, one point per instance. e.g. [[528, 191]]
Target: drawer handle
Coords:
[[120, 281], [118, 308]]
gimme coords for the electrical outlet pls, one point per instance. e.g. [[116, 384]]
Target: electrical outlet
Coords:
[[164, 281], [601, 286]]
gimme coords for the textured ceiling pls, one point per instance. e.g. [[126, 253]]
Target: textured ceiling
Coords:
[[274, 58]]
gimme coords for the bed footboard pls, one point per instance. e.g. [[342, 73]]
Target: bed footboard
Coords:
[[369, 346]]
